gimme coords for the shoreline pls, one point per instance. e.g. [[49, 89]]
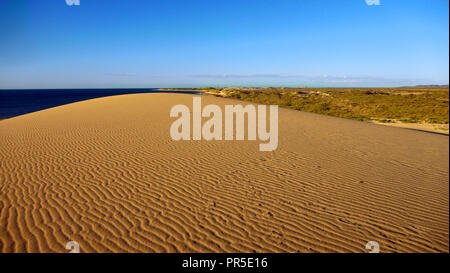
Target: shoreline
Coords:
[[419, 126]]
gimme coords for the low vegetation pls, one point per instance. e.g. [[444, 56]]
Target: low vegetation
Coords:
[[411, 105]]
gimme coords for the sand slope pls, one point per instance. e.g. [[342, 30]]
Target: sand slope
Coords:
[[105, 173]]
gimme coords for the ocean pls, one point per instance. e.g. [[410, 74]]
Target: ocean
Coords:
[[20, 101]]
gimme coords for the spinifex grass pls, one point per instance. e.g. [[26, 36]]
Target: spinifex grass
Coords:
[[429, 105]]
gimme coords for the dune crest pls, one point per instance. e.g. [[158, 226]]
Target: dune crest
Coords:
[[106, 174]]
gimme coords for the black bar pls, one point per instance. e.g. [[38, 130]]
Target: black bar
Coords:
[[228, 262]]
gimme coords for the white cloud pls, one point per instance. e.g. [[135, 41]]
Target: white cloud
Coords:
[[325, 80]]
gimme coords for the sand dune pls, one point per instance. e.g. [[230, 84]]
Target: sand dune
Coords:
[[106, 173]]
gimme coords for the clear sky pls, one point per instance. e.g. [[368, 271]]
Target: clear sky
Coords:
[[176, 43]]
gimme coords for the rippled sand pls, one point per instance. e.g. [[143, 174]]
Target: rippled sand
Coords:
[[106, 173]]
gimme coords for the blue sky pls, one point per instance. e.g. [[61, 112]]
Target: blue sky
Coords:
[[171, 43]]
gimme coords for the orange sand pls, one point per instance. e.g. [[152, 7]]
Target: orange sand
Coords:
[[106, 173]]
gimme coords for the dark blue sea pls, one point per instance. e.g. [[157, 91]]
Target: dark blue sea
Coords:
[[18, 102]]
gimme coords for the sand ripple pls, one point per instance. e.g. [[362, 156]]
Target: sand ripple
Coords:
[[105, 173]]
